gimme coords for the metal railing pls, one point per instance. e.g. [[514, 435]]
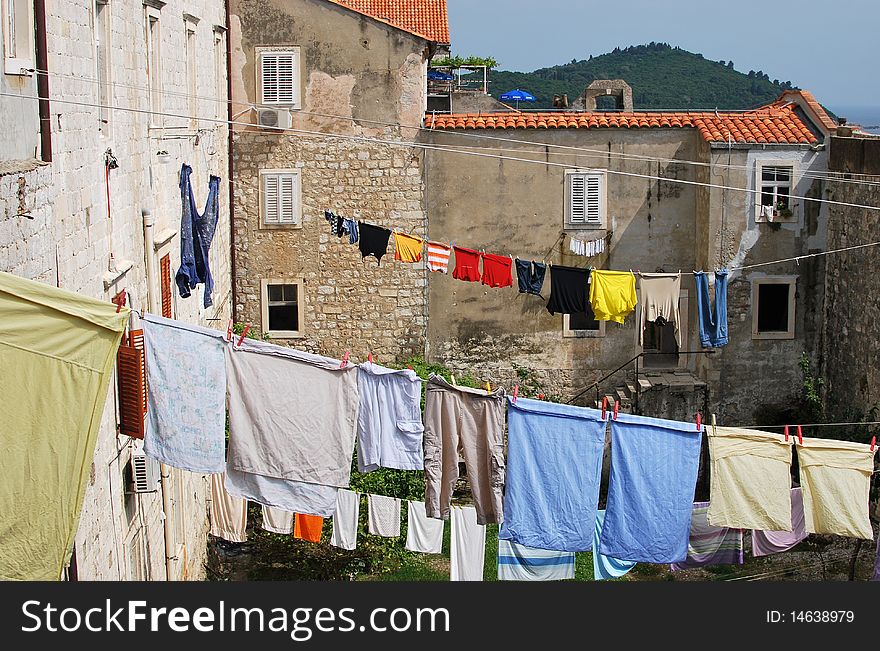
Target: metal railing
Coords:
[[597, 384]]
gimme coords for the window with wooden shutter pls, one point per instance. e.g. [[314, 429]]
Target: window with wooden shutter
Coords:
[[131, 380], [585, 199], [281, 197], [279, 77], [165, 282]]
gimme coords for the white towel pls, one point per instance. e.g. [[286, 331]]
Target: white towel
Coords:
[[228, 514], [468, 549], [277, 520], [345, 519], [423, 534], [384, 516]]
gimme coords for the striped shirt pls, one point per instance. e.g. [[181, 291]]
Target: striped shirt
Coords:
[[520, 563], [438, 257]]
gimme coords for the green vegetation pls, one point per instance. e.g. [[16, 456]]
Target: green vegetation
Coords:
[[661, 76], [458, 61]]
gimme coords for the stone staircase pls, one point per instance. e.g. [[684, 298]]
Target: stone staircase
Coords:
[[672, 394]]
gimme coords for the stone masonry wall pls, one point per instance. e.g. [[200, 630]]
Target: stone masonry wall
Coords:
[[350, 304], [71, 239]]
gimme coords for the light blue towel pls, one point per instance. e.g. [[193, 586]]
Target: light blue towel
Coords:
[[554, 466], [654, 466], [605, 567], [186, 395], [521, 563]]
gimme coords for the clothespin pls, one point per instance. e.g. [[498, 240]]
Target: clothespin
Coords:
[[243, 334], [699, 421], [516, 395], [604, 406], [616, 408], [452, 376], [229, 331], [409, 366], [873, 443], [370, 358], [786, 433], [344, 360], [800, 436], [488, 387], [713, 420]]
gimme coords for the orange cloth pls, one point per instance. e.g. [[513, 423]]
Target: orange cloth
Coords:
[[407, 248], [308, 527]]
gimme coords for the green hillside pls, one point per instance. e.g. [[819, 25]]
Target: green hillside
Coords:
[[661, 76]]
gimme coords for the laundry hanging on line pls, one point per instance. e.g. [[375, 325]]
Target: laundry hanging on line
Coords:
[[765, 543], [708, 545], [659, 302], [712, 317], [228, 514], [308, 527], [520, 563], [423, 534], [384, 516], [278, 520], [345, 519], [606, 568], [588, 248], [196, 235], [467, 548]]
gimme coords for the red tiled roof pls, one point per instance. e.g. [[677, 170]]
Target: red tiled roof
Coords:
[[425, 18], [774, 123]]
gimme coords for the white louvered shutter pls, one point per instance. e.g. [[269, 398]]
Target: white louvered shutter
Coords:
[[278, 76], [280, 197], [593, 200], [577, 197]]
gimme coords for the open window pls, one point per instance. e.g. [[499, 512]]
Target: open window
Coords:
[[775, 184], [282, 308], [583, 324], [18, 36], [773, 307]]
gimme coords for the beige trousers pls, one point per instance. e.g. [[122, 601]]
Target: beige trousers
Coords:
[[473, 421]]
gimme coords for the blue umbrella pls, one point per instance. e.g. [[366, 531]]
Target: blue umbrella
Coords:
[[437, 75], [517, 96]]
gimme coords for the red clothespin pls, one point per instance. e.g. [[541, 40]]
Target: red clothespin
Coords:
[[344, 360], [409, 366], [515, 392], [243, 334], [616, 408], [873, 443], [699, 421], [370, 358], [786, 433], [229, 331], [800, 436], [604, 406]]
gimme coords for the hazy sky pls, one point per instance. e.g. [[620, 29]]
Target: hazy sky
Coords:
[[828, 48]]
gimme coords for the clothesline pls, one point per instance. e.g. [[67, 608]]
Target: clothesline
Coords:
[[428, 147], [579, 151]]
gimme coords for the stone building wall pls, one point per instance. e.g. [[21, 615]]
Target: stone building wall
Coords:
[[70, 241], [852, 311]]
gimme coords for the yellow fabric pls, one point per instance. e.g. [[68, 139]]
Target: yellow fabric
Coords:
[[836, 479], [750, 479], [57, 351], [612, 294], [407, 248]]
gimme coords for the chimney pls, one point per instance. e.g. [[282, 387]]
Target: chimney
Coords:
[[616, 88]]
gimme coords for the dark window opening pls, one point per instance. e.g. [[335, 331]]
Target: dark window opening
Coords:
[[583, 320], [772, 307], [283, 308]]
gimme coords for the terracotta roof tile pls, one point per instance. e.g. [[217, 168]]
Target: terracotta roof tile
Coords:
[[774, 123], [426, 18]]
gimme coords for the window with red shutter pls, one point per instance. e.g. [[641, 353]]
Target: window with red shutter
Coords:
[[165, 273], [131, 371]]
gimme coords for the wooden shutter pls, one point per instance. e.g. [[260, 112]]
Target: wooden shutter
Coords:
[[577, 198], [165, 281], [280, 196], [278, 77], [131, 379], [593, 200]]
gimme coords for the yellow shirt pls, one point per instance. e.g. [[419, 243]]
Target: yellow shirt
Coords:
[[57, 352], [407, 248], [612, 294]]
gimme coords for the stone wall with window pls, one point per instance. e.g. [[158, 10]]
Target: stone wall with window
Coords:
[[531, 210], [318, 68]]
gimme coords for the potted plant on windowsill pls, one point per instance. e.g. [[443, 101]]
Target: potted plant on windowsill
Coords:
[[782, 210]]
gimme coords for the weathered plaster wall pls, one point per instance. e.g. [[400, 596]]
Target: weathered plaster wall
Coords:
[[373, 76], [517, 208]]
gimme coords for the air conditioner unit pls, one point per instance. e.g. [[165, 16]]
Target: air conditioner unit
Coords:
[[145, 472], [272, 118]]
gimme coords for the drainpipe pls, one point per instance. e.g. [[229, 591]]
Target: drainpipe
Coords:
[[165, 471], [42, 52], [231, 171]]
